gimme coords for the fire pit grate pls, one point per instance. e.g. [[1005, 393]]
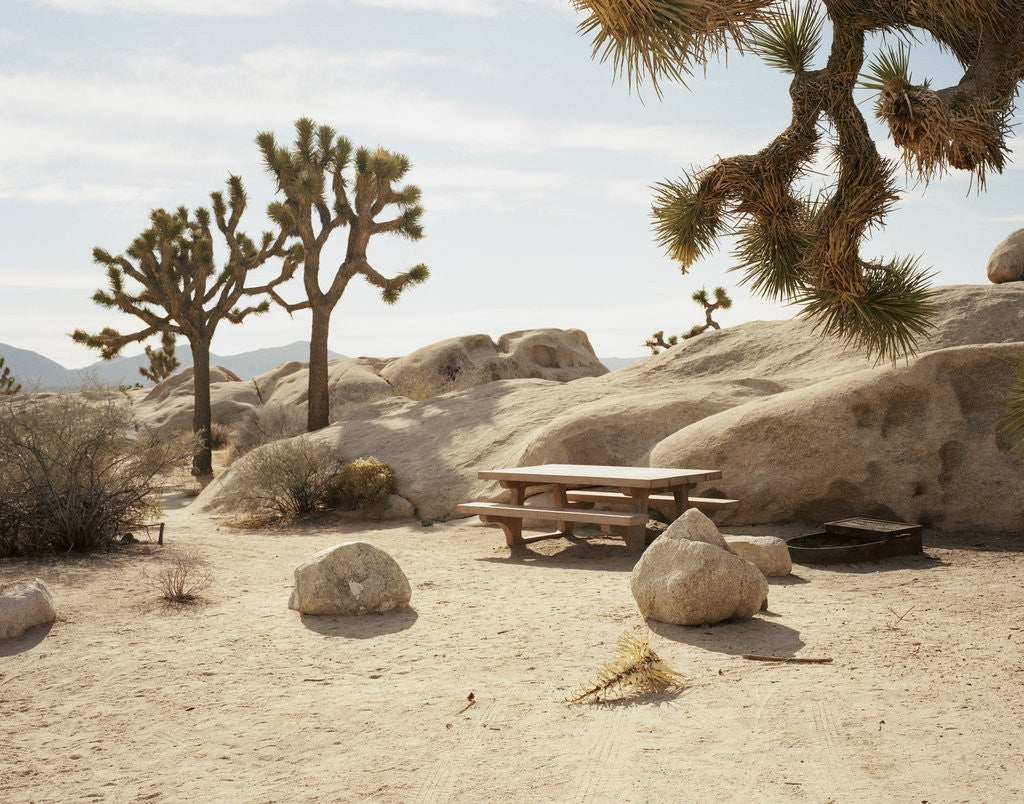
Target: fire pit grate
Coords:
[[849, 541]]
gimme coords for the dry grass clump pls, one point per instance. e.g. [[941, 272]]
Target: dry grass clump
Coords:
[[635, 670], [184, 578], [75, 475], [220, 436]]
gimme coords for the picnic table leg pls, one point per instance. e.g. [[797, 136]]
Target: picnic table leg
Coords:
[[561, 501], [513, 526], [682, 498], [636, 535]]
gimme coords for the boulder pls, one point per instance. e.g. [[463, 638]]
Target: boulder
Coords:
[[688, 582], [921, 441], [350, 578], [768, 553], [24, 605], [1007, 261], [471, 360], [168, 405], [697, 527]]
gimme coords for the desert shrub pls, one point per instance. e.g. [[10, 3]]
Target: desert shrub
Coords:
[[183, 578], [264, 425], [449, 377], [296, 477], [366, 484], [220, 436], [75, 475], [288, 479]]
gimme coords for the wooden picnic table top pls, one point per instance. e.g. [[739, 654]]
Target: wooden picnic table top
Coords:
[[641, 477]]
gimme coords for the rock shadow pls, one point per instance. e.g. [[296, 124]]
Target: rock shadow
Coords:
[[786, 580], [27, 641], [360, 626], [923, 561], [735, 637]]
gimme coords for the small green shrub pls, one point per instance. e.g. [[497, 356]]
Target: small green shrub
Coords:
[[366, 484]]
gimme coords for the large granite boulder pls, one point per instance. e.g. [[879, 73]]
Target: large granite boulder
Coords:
[[350, 578], [768, 553], [471, 360], [695, 583], [24, 605], [1007, 261], [168, 405], [922, 441]]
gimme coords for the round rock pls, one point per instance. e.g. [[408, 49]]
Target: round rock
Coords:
[[1007, 261], [24, 605], [694, 583], [350, 578]]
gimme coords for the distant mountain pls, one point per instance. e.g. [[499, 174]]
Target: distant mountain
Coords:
[[614, 363], [31, 368]]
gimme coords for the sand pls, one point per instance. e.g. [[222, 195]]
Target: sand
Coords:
[[238, 698]]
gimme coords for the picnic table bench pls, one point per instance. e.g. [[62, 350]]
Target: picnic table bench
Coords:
[[638, 487]]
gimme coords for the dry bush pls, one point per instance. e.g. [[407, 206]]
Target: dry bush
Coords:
[[264, 425], [449, 378], [288, 479], [75, 476], [220, 436], [365, 485], [183, 578]]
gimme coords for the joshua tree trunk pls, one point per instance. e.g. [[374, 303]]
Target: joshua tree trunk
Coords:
[[202, 461], [319, 397]]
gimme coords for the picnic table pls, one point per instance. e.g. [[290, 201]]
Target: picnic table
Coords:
[[634, 488]]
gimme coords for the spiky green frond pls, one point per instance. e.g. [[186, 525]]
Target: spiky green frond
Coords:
[[390, 295], [685, 225], [889, 63], [888, 320], [1015, 407], [771, 261], [418, 274], [790, 37], [722, 300]]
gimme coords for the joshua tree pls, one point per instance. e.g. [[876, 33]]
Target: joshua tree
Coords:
[[162, 361], [325, 187], [722, 301], [177, 289], [8, 385], [804, 247]]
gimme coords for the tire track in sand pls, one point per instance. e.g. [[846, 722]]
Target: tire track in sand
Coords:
[[439, 784], [605, 756]]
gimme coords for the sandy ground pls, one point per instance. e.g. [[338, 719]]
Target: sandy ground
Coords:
[[240, 699]]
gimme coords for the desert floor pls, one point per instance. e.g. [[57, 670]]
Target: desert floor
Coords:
[[240, 699]]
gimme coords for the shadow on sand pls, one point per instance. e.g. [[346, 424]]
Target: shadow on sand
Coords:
[[364, 626], [758, 636], [570, 553], [27, 641]]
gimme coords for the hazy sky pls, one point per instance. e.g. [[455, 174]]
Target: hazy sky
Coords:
[[534, 165]]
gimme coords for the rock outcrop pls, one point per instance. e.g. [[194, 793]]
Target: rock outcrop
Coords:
[[803, 427], [350, 578], [24, 605], [768, 553], [1007, 261], [688, 582]]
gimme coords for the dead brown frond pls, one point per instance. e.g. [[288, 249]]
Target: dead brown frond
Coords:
[[635, 670]]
